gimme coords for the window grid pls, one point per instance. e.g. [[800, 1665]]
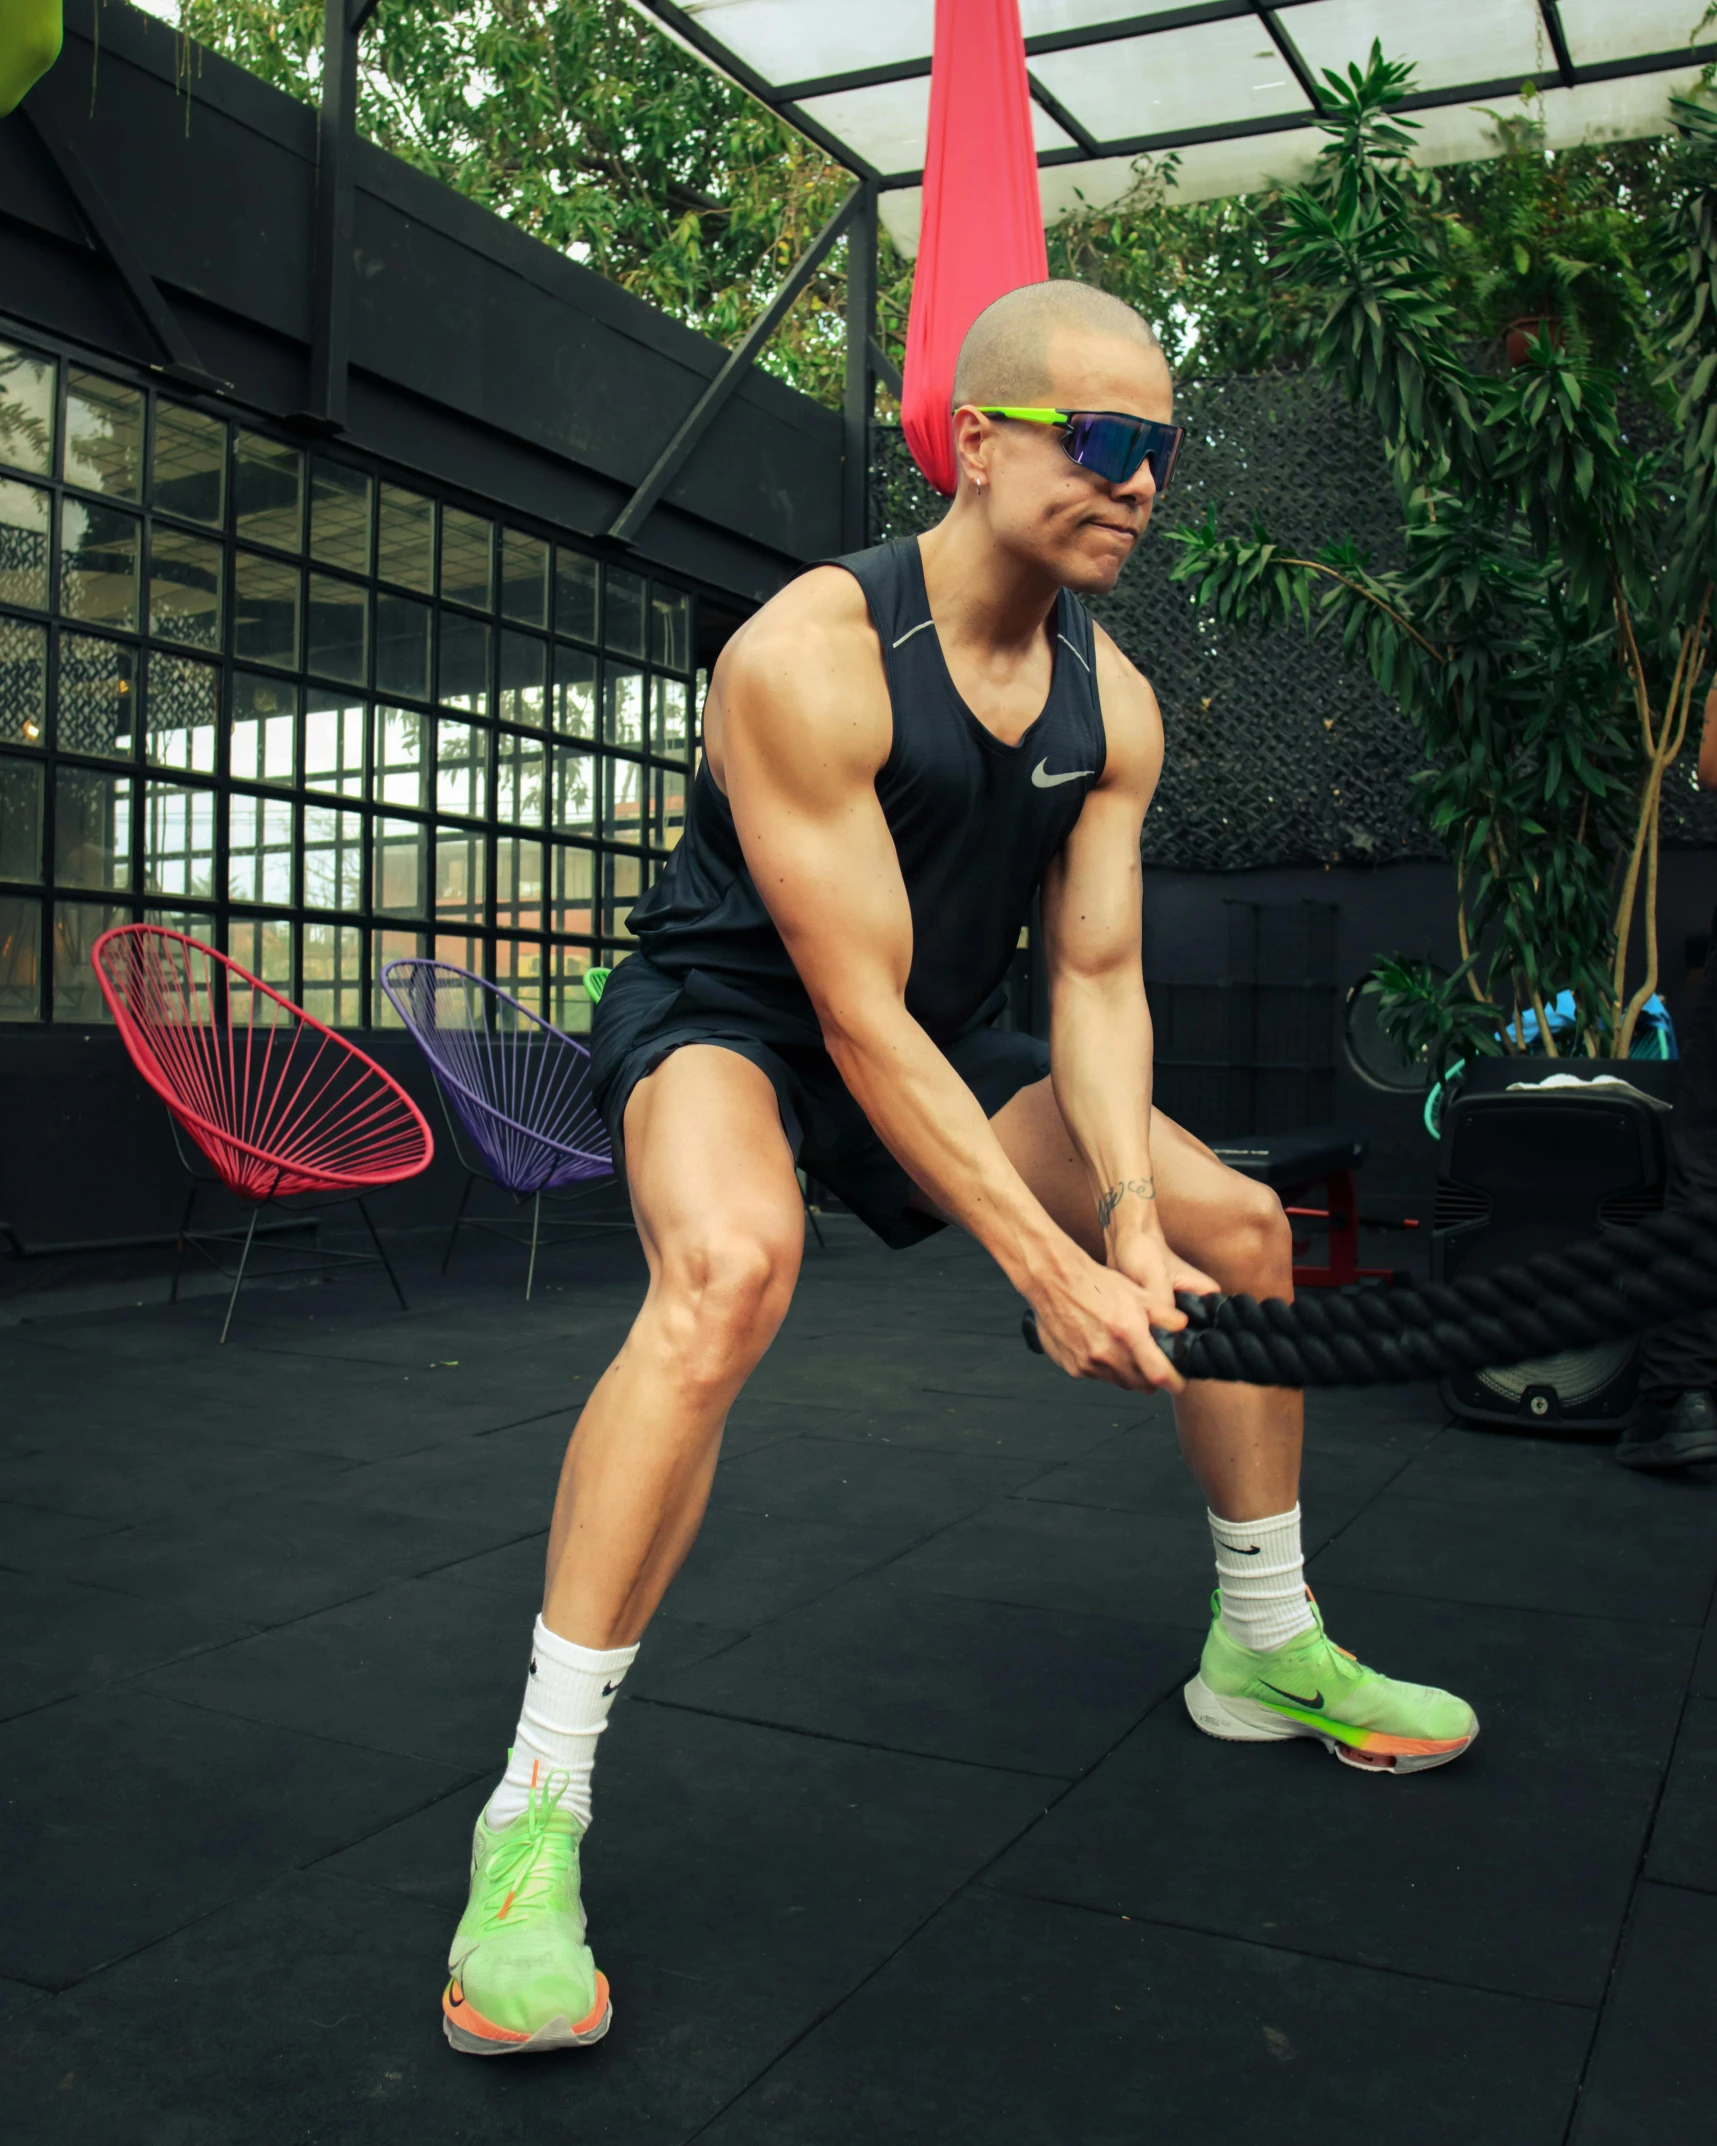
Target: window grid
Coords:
[[316, 715]]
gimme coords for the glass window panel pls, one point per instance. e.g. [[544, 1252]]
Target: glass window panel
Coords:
[[623, 612], [104, 435], [340, 516], [668, 816], [524, 578], [334, 744], [339, 620], [405, 539], [24, 513], [264, 729], [23, 683], [571, 889], [268, 492], [459, 951], [77, 926], [185, 587], [623, 708], [97, 696], [524, 679], [519, 864], [20, 819], [179, 840], [671, 628], [459, 889], [386, 946], [623, 798], [673, 718], [519, 780], [332, 986], [98, 564], [518, 969], [574, 693], [259, 850], [184, 713], [265, 611], [92, 828], [624, 881], [20, 953], [190, 465], [467, 547], [461, 769], [26, 410], [575, 595], [333, 858], [402, 645], [572, 803], [263, 945], [400, 880], [567, 1001], [463, 681], [399, 761]]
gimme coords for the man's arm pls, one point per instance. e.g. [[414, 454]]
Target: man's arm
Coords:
[[1100, 1024], [804, 727]]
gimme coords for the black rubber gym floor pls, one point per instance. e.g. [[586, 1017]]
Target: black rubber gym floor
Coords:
[[902, 1831]]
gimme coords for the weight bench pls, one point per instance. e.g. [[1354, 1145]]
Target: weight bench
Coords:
[[1293, 1164]]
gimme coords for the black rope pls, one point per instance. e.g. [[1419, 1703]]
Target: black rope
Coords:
[[1601, 1290]]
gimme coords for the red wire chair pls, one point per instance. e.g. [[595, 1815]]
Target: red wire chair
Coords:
[[279, 1104]]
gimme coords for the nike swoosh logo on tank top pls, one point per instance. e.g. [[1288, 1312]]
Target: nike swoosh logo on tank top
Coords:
[[1043, 780]]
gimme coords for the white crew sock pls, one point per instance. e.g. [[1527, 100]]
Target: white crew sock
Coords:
[[567, 1697], [1262, 1574]]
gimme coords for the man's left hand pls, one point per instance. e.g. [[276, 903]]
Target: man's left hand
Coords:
[[1147, 1260]]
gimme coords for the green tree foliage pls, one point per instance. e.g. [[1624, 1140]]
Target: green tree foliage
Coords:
[[1548, 632], [582, 124]]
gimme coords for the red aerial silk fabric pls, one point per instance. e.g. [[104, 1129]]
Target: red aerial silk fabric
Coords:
[[983, 222]]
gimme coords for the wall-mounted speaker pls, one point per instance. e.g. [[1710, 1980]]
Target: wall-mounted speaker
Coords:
[[1525, 1168]]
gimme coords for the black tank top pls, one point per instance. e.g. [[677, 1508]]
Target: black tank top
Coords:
[[975, 823]]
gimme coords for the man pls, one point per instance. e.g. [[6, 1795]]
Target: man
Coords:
[[1678, 1362], [901, 750]]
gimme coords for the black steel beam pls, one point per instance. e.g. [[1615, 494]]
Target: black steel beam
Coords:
[[358, 12], [179, 358], [331, 270], [885, 369], [1076, 129], [1265, 10], [859, 391], [704, 411], [1552, 18]]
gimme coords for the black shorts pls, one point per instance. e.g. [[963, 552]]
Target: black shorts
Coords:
[[645, 1014]]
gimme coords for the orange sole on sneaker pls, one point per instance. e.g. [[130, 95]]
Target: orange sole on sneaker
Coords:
[[1244, 1721], [469, 2032]]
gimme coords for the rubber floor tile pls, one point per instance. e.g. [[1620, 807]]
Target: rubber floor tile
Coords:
[[1684, 1839], [173, 1811], [514, 1570], [14, 1996], [1495, 1468], [503, 1479], [1653, 2074], [1509, 1869], [62, 1639], [1043, 1690], [1044, 2025], [146, 1468], [1151, 1567], [745, 1568], [957, 1423], [31, 1533], [1538, 1554], [836, 1480], [752, 1424], [269, 1558]]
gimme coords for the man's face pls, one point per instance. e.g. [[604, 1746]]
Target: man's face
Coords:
[[1043, 507]]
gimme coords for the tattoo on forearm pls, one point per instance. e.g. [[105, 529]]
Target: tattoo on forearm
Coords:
[[1142, 1188]]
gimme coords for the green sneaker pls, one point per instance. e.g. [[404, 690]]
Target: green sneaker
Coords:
[[1311, 1687], [521, 1974]]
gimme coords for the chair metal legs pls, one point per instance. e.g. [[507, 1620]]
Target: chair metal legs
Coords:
[[536, 1227], [179, 1243], [238, 1278], [381, 1254], [458, 1217]]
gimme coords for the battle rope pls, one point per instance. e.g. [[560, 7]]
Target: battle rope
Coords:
[[1600, 1290]]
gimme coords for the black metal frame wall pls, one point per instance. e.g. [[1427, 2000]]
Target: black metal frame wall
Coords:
[[314, 708]]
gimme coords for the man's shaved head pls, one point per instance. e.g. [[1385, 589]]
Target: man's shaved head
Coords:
[[1006, 354]]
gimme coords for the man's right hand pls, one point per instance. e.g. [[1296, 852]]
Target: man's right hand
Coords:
[[1096, 1324]]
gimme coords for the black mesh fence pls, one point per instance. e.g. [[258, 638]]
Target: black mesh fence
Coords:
[[1279, 751]]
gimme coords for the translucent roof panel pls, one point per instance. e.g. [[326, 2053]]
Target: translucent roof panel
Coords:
[[1233, 91]]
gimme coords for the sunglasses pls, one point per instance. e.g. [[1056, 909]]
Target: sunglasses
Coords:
[[1108, 444]]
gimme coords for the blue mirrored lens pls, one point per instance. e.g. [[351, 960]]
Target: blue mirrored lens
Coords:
[[1114, 448]]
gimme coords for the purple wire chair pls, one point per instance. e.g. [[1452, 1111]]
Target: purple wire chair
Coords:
[[512, 1083]]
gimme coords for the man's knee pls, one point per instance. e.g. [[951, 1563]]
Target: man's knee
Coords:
[[722, 1294], [1256, 1249]]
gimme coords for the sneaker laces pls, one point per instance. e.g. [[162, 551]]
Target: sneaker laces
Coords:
[[516, 1860]]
